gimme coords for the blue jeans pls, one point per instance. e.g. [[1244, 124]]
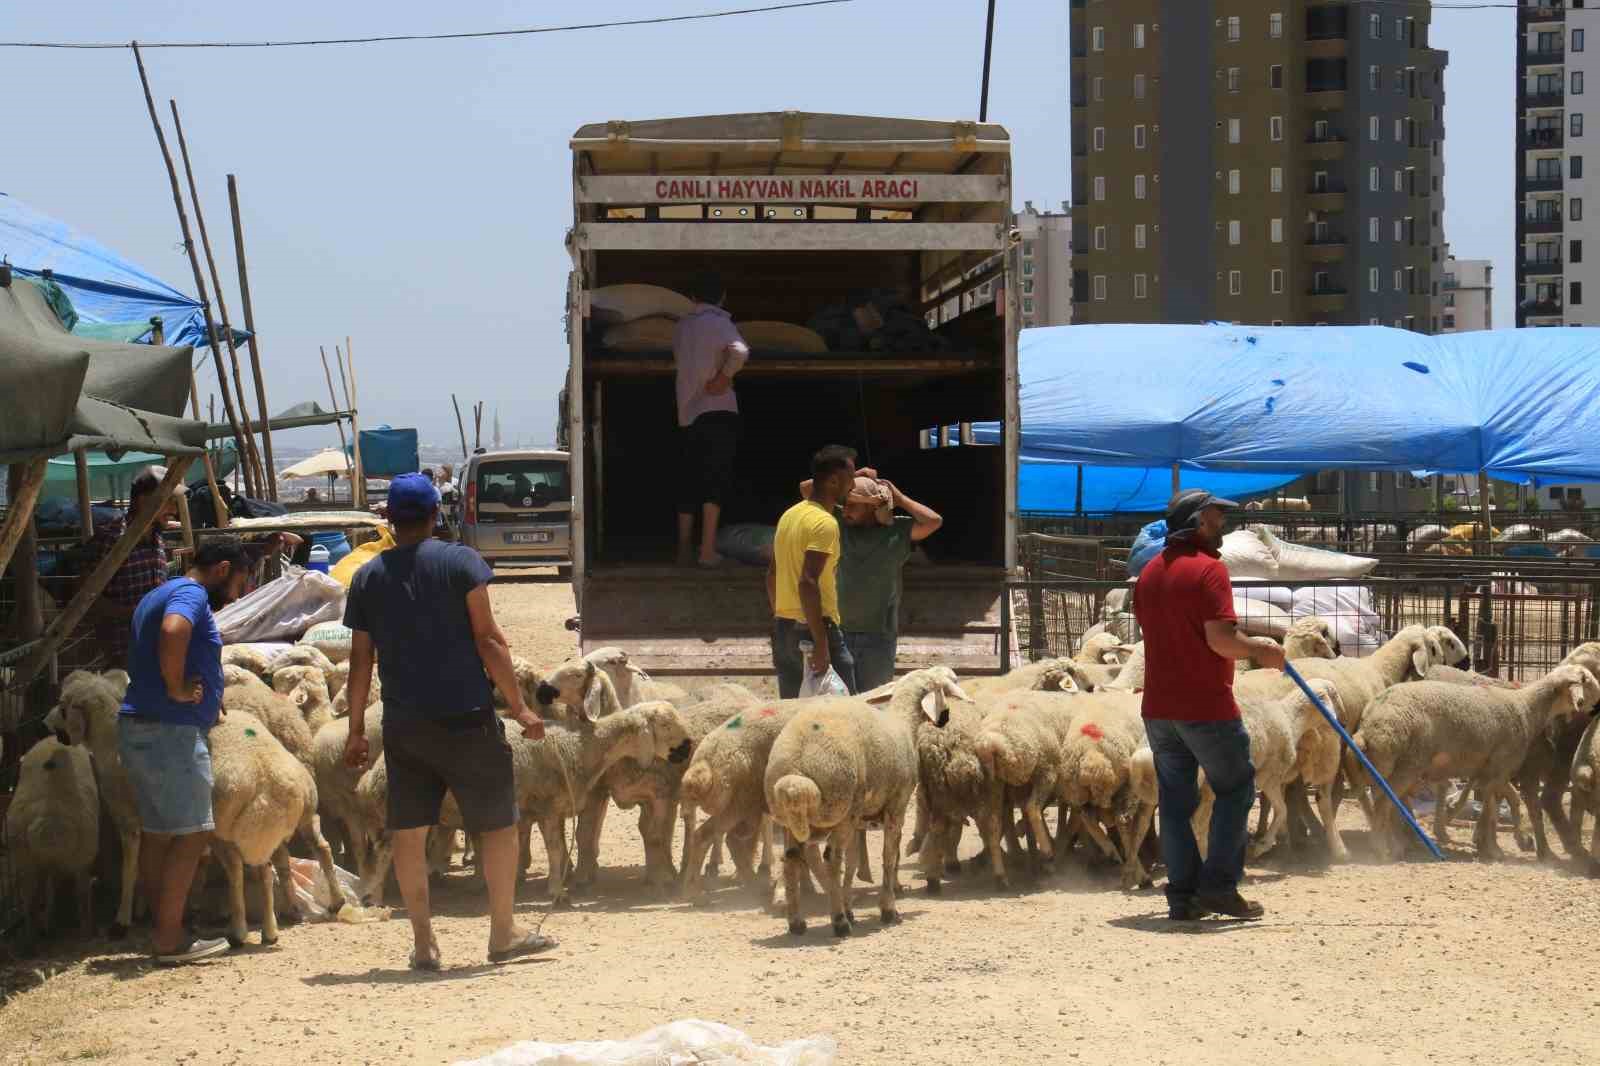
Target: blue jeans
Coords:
[[790, 663], [874, 656], [1222, 749]]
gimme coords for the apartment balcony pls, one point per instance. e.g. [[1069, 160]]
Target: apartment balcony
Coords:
[[1538, 140], [1534, 56], [1545, 224], [1329, 146], [1541, 267], [1326, 196], [1541, 11], [1328, 249], [1542, 184], [1542, 309], [1330, 47], [1544, 98], [1326, 299], [1325, 97]]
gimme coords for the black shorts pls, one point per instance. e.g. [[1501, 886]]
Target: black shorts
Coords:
[[707, 450], [467, 755]]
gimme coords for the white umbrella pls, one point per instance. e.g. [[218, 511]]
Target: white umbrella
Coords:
[[331, 463]]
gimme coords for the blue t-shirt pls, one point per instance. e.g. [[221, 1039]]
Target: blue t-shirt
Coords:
[[147, 692], [412, 601]]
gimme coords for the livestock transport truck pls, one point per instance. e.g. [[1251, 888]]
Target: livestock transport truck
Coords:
[[796, 212]]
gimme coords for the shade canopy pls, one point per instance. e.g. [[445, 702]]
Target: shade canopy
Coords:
[[324, 464]]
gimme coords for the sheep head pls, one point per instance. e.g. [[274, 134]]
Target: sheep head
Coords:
[[1581, 691], [582, 687], [665, 734], [1453, 649], [84, 695], [1413, 640], [236, 676], [118, 680], [931, 689], [529, 678], [1311, 638], [304, 685]]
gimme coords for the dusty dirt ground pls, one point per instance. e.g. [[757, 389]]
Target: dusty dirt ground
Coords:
[[1419, 962]]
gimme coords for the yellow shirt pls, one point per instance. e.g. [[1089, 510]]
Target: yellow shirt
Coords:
[[806, 527]]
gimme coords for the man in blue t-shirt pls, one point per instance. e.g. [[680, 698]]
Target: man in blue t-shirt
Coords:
[[174, 697], [422, 608]]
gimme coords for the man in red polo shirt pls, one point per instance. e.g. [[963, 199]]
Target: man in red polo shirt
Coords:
[[1184, 603]]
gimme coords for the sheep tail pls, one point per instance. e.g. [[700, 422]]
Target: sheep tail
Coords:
[[795, 803], [1583, 779], [1097, 778], [999, 760], [697, 784]]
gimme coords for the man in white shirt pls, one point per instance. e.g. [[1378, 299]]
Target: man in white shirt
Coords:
[[707, 351]]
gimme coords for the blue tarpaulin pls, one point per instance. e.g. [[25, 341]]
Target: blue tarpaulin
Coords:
[[1272, 404], [386, 452], [114, 298]]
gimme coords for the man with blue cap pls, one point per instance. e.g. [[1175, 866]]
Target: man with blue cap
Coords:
[[422, 609], [1184, 603]]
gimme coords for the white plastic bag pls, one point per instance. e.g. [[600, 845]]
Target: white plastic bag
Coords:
[[684, 1043], [315, 897], [283, 609], [828, 683]]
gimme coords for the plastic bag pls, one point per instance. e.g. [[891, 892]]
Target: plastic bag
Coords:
[[828, 683], [1147, 545], [315, 897], [282, 609], [683, 1043]]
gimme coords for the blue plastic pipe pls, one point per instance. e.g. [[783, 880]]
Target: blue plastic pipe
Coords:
[[1399, 805]]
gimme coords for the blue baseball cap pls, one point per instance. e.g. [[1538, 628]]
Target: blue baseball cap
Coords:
[[412, 496]]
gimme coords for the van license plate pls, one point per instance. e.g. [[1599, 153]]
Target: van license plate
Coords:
[[529, 538]]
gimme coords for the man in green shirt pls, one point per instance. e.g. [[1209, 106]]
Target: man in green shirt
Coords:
[[875, 545]]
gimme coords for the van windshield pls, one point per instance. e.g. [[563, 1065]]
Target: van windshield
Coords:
[[524, 482]]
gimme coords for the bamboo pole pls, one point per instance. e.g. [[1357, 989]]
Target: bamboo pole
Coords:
[[349, 367], [94, 583], [80, 463], [255, 351], [253, 468], [188, 243], [219, 506], [19, 507], [459, 427], [333, 399]]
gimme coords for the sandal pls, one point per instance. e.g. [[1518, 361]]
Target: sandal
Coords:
[[524, 945]]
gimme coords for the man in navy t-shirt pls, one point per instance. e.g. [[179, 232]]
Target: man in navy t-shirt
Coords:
[[422, 608], [174, 697]]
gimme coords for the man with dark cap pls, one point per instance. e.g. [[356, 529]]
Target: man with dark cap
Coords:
[[1184, 603], [422, 608], [707, 352]]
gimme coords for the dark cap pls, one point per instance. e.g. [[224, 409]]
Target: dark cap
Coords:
[[1184, 508], [412, 496]]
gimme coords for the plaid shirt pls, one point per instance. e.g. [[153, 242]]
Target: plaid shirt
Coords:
[[144, 569]]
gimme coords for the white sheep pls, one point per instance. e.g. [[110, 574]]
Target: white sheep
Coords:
[[1106, 729], [1146, 792], [261, 797], [1046, 675], [1102, 649], [337, 784], [282, 718], [248, 657], [307, 689], [52, 830], [1455, 652], [87, 713], [1586, 790], [302, 655], [1433, 731], [952, 786], [841, 763], [1020, 745], [1308, 637]]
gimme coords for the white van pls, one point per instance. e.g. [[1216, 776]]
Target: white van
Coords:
[[516, 507]]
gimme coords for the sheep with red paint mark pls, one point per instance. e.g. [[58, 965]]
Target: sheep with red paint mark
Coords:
[[1106, 729]]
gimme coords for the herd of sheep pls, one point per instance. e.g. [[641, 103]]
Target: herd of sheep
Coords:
[[1063, 734]]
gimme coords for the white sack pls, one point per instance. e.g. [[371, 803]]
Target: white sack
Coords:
[[1248, 553], [283, 609], [1348, 609], [1277, 595], [1260, 618], [683, 1043], [1297, 562]]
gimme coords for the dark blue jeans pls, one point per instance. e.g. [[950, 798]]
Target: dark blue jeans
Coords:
[[790, 663], [874, 657], [1222, 749]]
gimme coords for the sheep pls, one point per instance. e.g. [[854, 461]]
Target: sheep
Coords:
[[1586, 790], [248, 657], [341, 699], [52, 830], [261, 796], [87, 714], [302, 655], [1455, 652], [1309, 637], [337, 784], [633, 685], [339, 678], [1433, 730], [281, 717], [307, 689], [952, 786], [372, 801], [1145, 790], [841, 763], [1102, 649], [1106, 729], [1019, 745], [1047, 675], [1131, 679]]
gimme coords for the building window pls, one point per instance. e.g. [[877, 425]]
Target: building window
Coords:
[[1577, 83], [1399, 130], [1027, 287], [1575, 120], [1372, 281], [1576, 165], [1275, 24], [1275, 76], [1138, 86], [1140, 288], [1575, 209], [1399, 281], [1235, 79], [1138, 235], [1575, 252], [1097, 39], [1098, 88], [1399, 230], [1277, 282], [1275, 128], [1399, 28], [1373, 180], [1233, 231], [1027, 267], [1374, 77], [1399, 80], [1277, 179], [1138, 186], [1233, 131], [1099, 138], [1027, 306], [1319, 181], [1575, 293], [1449, 299], [1577, 40], [1233, 182], [1099, 238], [1399, 181], [1233, 27], [1138, 136], [1375, 27], [1372, 230], [1372, 127], [1236, 282], [1277, 231], [1374, 321], [1099, 286], [1138, 35], [1100, 187]]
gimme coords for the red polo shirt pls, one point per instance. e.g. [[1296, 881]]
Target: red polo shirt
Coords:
[[1179, 591]]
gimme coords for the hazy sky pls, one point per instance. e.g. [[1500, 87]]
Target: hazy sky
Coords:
[[415, 195]]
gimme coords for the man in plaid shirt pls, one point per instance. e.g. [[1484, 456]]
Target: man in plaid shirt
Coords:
[[144, 569]]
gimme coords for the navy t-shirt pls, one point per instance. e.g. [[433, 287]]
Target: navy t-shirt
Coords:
[[147, 692], [412, 601]]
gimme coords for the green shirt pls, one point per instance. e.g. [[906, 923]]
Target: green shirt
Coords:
[[869, 575]]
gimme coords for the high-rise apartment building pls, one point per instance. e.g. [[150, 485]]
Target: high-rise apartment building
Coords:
[[1045, 266], [1466, 295], [1256, 161], [1552, 67]]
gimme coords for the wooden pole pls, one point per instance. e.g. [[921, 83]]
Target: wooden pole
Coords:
[[255, 476], [27, 619], [1176, 480], [459, 427], [344, 384], [219, 506], [355, 426], [94, 583], [188, 243], [19, 507], [477, 425], [1483, 510], [80, 461], [334, 400], [255, 351]]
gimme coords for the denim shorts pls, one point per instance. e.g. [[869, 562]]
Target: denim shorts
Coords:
[[170, 768]]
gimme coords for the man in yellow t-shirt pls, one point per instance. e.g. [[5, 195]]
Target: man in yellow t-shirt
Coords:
[[802, 580]]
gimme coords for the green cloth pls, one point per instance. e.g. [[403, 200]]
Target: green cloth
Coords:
[[57, 301], [870, 564]]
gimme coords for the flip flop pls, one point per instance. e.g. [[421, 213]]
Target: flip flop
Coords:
[[526, 944]]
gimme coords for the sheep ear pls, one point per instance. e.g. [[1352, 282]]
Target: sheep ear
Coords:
[[301, 696], [1420, 661], [955, 691], [1580, 698], [933, 706], [588, 706]]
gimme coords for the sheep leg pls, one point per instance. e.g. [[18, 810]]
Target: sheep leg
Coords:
[[793, 866], [285, 880], [1487, 833], [656, 821], [919, 828], [1201, 820], [524, 845], [1045, 860], [697, 843], [989, 830], [935, 834], [1529, 788], [233, 865], [591, 819], [1336, 848], [1513, 796], [843, 838], [311, 829], [1273, 816], [1134, 875], [1550, 801], [375, 887], [130, 878], [84, 884], [864, 868], [768, 846], [1097, 833], [553, 829], [893, 826], [269, 905], [740, 840]]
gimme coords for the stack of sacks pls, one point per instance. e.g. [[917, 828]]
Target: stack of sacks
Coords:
[[637, 318], [1348, 609], [1257, 553], [1263, 610], [782, 337], [1270, 610]]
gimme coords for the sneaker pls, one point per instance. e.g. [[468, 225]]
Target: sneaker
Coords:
[[193, 951], [1230, 904]]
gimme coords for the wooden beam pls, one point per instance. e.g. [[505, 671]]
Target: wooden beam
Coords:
[[255, 350], [19, 506], [219, 506], [27, 616], [333, 401], [80, 463], [94, 583], [349, 368]]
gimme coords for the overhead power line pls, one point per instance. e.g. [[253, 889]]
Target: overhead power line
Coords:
[[526, 31]]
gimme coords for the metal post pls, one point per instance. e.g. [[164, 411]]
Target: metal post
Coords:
[[988, 49]]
